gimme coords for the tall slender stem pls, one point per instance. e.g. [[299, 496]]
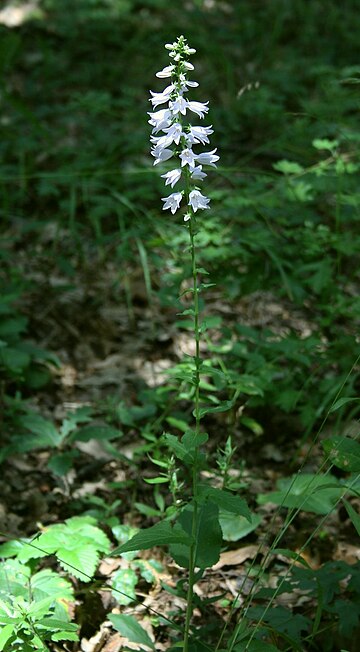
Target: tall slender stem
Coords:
[[195, 469]]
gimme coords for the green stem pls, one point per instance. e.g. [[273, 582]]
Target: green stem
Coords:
[[195, 469]]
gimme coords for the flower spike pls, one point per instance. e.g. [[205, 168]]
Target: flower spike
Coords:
[[179, 136]]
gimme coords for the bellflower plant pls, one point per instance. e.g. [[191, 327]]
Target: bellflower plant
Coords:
[[192, 528], [179, 142]]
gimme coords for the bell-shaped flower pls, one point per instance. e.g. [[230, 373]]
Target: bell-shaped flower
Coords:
[[178, 105], [172, 177], [161, 154], [197, 173], [208, 158], [160, 119], [187, 158], [161, 98], [197, 200], [200, 108], [174, 132], [199, 135], [165, 72], [172, 201]]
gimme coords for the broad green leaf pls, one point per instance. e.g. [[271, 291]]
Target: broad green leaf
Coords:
[[13, 360], [46, 434], [100, 432], [227, 501], [309, 492], [55, 623], [129, 627], [162, 533], [5, 633], [14, 579], [12, 548], [208, 536], [80, 563], [47, 582], [175, 445], [62, 463], [344, 453], [354, 516], [236, 527], [191, 439]]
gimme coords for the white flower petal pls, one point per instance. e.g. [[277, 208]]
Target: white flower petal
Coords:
[[172, 201], [208, 158], [200, 108], [165, 72], [172, 177], [197, 200]]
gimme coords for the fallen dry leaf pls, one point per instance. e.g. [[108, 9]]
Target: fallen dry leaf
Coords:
[[236, 557]]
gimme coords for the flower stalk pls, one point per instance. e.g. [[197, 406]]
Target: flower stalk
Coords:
[[178, 139]]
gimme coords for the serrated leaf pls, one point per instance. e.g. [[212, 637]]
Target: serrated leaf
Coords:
[[129, 627], [192, 439], [162, 533], [344, 453], [174, 444], [55, 623], [80, 563]]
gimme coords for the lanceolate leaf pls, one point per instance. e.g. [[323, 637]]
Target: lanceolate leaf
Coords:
[[162, 533], [129, 627], [355, 517]]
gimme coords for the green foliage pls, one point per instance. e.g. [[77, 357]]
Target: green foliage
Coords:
[[77, 544], [22, 363], [316, 493], [33, 607]]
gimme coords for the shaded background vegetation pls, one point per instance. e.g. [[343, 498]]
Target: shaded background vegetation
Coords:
[[92, 269]]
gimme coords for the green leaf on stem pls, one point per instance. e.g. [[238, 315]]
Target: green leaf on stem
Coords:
[[163, 533], [208, 536]]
